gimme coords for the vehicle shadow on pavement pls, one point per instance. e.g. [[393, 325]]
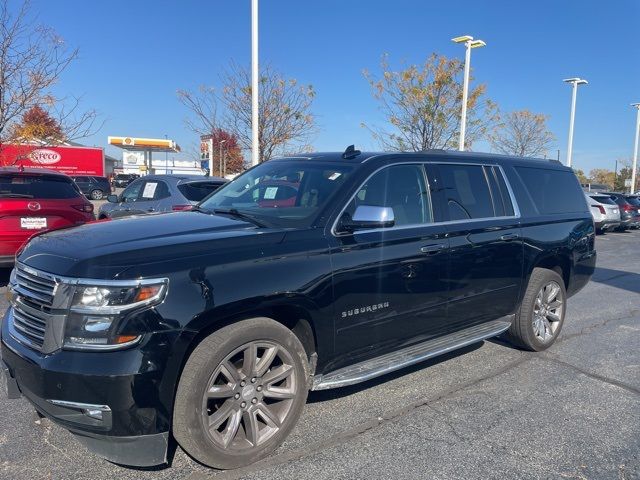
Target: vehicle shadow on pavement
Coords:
[[629, 281], [334, 393]]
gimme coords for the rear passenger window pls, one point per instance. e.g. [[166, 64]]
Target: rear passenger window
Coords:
[[553, 191], [467, 192]]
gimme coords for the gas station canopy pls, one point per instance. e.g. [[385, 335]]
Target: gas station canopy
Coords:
[[144, 144]]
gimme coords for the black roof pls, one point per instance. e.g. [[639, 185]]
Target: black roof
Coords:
[[31, 171], [440, 155]]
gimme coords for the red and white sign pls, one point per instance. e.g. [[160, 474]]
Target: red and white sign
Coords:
[[65, 159], [44, 156]]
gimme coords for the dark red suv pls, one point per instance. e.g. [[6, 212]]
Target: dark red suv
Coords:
[[33, 200]]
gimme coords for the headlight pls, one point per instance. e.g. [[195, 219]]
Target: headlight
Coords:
[[97, 312]]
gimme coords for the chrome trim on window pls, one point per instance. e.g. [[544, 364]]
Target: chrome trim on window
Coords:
[[516, 209]]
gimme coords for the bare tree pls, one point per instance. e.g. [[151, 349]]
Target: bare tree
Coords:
[[75, 122], [32, 58], [423, 103], [286, 120], [522, 133], [203, 106]]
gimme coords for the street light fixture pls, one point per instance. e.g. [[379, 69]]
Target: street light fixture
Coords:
[[575, 81], [220, 156], [635, 150], [469, 43]]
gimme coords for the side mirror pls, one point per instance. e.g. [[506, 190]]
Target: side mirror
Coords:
[[112, 199], [367, 217]]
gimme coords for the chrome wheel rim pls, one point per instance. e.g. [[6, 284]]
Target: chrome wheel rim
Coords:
[[96, 195], [249, 396], [547, 312]]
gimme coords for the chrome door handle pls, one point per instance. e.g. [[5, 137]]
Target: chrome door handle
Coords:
[[509, 236], [433, 249]]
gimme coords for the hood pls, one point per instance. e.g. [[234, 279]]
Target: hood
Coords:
[[105, 249]]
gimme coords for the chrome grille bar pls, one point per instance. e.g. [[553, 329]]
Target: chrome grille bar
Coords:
[[34, 293]]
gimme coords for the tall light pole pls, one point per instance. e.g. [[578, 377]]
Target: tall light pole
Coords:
[[220, 155], [469, 43], [635, 150], [166, 157], [255, 141], [575, 82]]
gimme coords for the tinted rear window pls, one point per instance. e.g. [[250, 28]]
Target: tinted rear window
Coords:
[[197, 191], [553, 191], [633, 201], [43, 187], [606, 199]]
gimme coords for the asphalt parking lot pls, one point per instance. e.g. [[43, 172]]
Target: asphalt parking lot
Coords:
[[489, 411]]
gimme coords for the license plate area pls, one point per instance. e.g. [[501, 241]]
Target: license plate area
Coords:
[[33, 223]]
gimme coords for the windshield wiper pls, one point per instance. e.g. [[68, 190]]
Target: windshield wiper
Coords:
[[198, 208], [235, 213], [15, 195]]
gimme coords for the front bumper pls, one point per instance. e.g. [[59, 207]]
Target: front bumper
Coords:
[[112, 401]]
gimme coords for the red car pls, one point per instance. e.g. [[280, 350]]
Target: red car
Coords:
[[34, 200]]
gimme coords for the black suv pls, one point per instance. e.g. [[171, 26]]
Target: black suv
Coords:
[[210, 326], [96, 188], [122, 180]]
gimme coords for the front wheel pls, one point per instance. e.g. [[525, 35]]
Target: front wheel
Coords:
[[241, 392], [541, 316]]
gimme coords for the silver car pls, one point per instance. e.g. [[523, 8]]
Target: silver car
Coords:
[[159, 193], [605, 212]]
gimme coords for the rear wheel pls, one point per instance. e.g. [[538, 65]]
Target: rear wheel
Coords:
[[96, 194], [241, 392], [541, 315]]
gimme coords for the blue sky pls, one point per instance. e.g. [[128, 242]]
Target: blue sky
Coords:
[[134, 55]]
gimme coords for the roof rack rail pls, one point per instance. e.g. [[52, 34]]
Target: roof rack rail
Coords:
[[351, 152]]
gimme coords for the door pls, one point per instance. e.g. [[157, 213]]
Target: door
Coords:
[[128, 198], [486, 251], [390, 284], [84, 184], [151, 197]]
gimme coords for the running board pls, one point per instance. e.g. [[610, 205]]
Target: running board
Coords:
[[393, 361]]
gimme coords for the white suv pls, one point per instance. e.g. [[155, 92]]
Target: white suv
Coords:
[[605, 212]]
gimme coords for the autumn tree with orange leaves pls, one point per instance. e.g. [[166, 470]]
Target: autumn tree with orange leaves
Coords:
[[422, 105], [38, 124]]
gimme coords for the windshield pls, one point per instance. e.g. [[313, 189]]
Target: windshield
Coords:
[[284, 193]]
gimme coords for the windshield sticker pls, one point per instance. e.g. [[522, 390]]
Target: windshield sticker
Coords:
[[149, 190], [270, 193], [334, 175]]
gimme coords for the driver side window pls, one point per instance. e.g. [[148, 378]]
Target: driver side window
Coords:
[[400, 187], [131, 193]]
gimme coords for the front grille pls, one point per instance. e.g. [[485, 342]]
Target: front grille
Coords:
[[34, 294]]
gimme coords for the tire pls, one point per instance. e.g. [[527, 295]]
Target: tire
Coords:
[[540, 318], [96, 194], [219, 403]]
